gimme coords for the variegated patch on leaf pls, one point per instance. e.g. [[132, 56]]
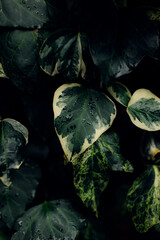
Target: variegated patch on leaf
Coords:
[[91, 175], [143, 199], [13, 136], [62, 53], [120, 93], [81, 115], [144, 110]]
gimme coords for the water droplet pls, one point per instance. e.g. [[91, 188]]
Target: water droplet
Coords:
[[69, 116], [23, 233], [20, 223], [17, 194]]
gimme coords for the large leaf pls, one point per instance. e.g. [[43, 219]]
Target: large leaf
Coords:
[[62, 53], [144, 110], [120, 93], [119, 43], [49, 220], [19, 51], [13, 137], [23, 13], [91, 174], [14, 199], [81, 116], [144, 199]]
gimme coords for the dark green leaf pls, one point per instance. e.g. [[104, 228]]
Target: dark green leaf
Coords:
[[49, 220], [62, 53], [23, 13], [19, 51], [14, 199], [13, 137], [91, 174], [144, 110], [81, 116], [144, 199], [120, 93]]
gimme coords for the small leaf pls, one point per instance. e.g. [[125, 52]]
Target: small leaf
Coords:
[[23, 13], [143, 199], [120, 93], [13, 137], [91, 175], [144, 110], [49, 220], [2, 73], [81, 116], [14, 199], [62, 53]]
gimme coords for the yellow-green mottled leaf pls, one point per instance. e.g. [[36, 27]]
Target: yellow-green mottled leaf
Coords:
[[13, 137], [143, 199], [120, 93], [62, 53], [144, 110], [81, 115], [2, 73]]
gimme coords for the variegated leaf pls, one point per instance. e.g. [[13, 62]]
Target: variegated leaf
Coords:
[[13, 137], [91, 174], [120, 93], [144, 110], [143, 199], [81, 116], [62, 53]]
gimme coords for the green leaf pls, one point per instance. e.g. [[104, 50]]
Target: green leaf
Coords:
[[81, 116], [23, 13], [62, 53], [19, 50], [120, 93], [143, 199], [144, 110], [2, 73], [14, 199], [49, 220], [13, 137], [91, 175]]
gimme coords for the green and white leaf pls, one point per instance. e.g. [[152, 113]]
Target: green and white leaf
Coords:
[[2, 73], [91, 175], [144, 110], [50, 220], [13, 137], [81, 115], [143, 199], [23, 13], [120, 93], [15, 198], [62, 53]]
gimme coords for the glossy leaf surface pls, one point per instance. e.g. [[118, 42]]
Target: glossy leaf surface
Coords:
[[49, 220], [62, 53], [81, 116], [144, 198], [144, 110], [13, 137]]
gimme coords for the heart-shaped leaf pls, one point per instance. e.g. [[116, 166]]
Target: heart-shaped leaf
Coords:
[[81, 116], [120, 93], [23, 13], [144, 110], [49, 220], [91, 174], [19, 51], [143, 199], [62, 53], [13, 137], [14, 199]]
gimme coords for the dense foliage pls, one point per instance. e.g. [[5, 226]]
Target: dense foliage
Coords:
[[79, 119]]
